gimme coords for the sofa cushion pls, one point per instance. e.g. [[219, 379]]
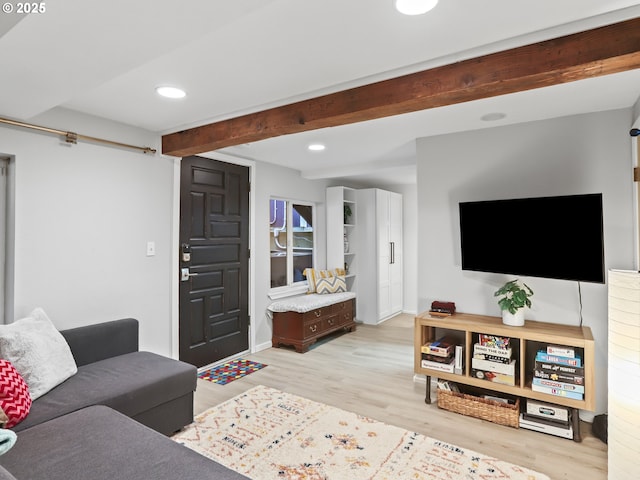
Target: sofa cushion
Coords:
[[132, 383], [15, 399], [38, 351], [98, 443], [7, 440]]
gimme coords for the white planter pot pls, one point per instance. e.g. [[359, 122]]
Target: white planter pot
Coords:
[[513, 319]]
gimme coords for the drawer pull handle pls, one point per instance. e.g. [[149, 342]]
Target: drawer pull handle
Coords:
[[313, 328], [330, 321], [346, 316], [317, 313]]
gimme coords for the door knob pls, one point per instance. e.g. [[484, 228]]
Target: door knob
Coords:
[[185, 274]]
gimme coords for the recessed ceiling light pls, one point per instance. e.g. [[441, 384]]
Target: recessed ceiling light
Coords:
[[316, 147], [492, 117], [415, 7], [171, 92]]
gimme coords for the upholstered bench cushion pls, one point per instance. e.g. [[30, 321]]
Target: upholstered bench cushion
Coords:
[[132, 383], [307, 303], [98, 443]]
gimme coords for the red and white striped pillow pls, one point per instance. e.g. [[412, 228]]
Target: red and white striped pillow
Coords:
[[15, 399]]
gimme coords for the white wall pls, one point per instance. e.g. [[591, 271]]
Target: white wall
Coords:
[[274, 181], [410, 246], [579, 154], [83, 216]]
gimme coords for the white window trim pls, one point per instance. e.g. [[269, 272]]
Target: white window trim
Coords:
[[300, 288], [295, 288]]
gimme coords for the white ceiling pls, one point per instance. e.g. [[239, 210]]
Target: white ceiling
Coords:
[[237, 57]]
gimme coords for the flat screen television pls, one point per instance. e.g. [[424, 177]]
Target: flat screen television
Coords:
[[552, 237]]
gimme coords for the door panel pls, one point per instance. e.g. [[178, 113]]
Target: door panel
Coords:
[[214, 234], [384, 254], [395, 236]]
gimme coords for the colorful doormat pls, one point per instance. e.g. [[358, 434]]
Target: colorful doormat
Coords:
[[230, 371], [267, 434]]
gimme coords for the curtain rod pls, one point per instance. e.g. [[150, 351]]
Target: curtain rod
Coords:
[[71, 137]]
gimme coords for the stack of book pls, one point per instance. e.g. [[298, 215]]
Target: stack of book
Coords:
[[439, 355], [559, 371], [492, 360]]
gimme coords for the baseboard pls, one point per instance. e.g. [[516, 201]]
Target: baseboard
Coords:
[[418, 378], [261, 346]]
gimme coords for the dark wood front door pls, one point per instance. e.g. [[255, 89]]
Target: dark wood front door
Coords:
[[214, 260]]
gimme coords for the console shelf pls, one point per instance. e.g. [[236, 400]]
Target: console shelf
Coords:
[[525, 340]]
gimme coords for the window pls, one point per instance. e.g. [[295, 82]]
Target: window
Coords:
[[291, 228]]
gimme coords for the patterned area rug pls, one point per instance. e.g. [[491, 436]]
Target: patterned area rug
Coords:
[[230, 371], [267, 434]]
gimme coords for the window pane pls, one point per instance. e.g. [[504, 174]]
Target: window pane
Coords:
[[302, 220], [278, 229], [291, 241]]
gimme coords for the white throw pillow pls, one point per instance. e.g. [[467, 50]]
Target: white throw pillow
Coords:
[[38, 352]]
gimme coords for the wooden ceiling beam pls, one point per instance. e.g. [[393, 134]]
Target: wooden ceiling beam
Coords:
[[601, 51]]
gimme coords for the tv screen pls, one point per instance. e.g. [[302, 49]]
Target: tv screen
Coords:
[[551, 237]]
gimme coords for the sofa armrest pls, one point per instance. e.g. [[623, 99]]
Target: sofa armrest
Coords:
[[92, 343], [5, 475]]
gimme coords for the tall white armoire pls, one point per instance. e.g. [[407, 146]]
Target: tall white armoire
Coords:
[[380, 289]]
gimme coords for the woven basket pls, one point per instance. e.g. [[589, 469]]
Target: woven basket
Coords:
[[491, 410]]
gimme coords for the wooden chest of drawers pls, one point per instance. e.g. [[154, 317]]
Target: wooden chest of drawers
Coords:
[[303, 329]]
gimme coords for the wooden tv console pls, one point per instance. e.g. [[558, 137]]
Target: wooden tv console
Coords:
[[526, 341], [304, 329]]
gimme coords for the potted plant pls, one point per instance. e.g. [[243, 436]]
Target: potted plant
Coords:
[[514, 298]]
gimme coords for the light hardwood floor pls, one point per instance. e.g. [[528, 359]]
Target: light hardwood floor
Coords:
[[370, 372]]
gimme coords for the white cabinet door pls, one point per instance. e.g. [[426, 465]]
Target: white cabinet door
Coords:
[[380, 255], [384, 253], [395, 266]]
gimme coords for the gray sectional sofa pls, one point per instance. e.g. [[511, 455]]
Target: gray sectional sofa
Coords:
[[109, 420]]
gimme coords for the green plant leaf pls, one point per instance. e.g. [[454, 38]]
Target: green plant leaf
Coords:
[[513, 296]]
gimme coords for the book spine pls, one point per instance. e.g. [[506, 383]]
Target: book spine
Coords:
[[572, 362], [569, 387], [440, 367], [492, 358], [437, 358], [444, 385], [558, 377], [557, 392], [494, 377], [504, 368], [494, 341], [560, 369], [561, 351], [496, 352], [434, 348]]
